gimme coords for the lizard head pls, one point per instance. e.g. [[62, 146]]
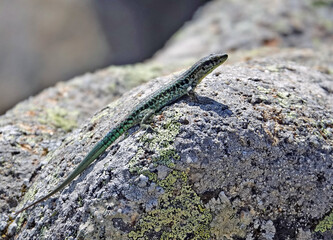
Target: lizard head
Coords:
[[205, 66]]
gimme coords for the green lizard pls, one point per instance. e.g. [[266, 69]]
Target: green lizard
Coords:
[[183, 85]]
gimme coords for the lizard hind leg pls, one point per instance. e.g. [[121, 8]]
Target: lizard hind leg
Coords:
[[144, 122]]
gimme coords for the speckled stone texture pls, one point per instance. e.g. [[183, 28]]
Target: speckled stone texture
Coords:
[[39, 125], [252, 159], [230, 25]]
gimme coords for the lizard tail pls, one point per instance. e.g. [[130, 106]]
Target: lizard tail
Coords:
[[99, 148]]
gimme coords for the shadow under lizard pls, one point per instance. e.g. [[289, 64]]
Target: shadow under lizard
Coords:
[[182, 85]]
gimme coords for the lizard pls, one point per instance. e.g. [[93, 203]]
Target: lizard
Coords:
[[181, 86]]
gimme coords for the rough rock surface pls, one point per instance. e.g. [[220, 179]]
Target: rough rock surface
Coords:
[[251, 160], [231, 25], [38, 125]]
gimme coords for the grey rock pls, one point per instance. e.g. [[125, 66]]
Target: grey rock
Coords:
[[252, 159], [12, 229], [245, 171]]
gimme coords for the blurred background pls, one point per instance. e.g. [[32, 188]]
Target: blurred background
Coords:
[[42, 42]]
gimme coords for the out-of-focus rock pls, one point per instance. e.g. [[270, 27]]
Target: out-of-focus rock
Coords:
[[41, 43]]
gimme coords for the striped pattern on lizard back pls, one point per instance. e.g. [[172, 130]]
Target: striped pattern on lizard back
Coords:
[[182, 85]]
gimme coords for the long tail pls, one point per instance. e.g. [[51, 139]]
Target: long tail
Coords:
[[98, 149]]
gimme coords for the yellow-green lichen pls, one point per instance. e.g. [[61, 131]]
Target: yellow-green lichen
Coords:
[[133, 167], [264, 90], [286, 100], [326, 224], [324, 128], [60, 118], [179, 214], [227, 223], [160, 142], [322, 3]]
